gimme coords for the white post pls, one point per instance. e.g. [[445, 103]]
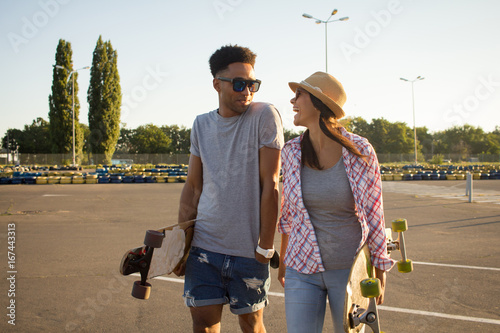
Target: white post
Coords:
[[467, 183], [468, 186]]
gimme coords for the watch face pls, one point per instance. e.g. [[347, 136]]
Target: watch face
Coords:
[[268, 254]]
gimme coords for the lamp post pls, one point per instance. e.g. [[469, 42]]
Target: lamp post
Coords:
[[8, 146], [318, 21], [73, 92], [413, 102]]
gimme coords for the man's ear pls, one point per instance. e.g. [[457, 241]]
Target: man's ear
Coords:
[[216, 84]]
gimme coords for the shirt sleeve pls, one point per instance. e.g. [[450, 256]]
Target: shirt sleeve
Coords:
[[284, 224], [374, 210], [271, 128], [195, 148]]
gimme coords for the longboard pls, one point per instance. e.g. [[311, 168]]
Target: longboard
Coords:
[[164, 250], [360, 305]]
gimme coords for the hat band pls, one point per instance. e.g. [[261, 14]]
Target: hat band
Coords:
[[311, 86]]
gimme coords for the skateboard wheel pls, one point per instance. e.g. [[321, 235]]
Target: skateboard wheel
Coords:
[[153, 238], [370, 287], [399, 225], [405, 266], [141, 292]]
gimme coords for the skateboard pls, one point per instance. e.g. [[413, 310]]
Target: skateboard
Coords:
[[164, 250], [360, 305]]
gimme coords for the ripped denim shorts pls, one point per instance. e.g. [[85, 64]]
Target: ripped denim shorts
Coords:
[[214, 278]]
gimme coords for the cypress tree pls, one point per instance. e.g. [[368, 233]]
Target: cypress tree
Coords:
[[104, 97], [61, 104]]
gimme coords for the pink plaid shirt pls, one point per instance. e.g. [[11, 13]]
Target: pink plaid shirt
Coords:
[[303, 253]]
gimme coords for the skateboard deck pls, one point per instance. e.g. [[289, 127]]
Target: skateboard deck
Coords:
[[165, 250], [354, 301], [360, 305]]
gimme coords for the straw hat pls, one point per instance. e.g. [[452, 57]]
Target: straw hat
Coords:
[[326, 88]]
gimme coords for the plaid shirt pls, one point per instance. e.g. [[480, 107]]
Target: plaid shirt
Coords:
[[303, 253]]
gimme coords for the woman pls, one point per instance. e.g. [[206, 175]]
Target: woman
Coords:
[[331, 206]]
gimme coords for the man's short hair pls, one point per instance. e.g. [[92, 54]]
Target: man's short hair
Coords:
[[229, 54]]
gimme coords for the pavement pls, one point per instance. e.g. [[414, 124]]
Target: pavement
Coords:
[[62, 275]]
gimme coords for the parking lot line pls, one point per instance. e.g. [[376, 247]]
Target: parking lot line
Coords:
[[387, 308], [440, 315], [457, 266]]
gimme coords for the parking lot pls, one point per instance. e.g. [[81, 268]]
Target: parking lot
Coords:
[[62, 274]]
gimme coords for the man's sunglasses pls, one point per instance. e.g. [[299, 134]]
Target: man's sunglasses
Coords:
[[239, 84]]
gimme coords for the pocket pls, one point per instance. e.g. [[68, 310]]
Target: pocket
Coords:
[[194, 250]]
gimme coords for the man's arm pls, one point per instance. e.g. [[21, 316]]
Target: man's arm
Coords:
[[190, 196], [191, 192], [269, 167]]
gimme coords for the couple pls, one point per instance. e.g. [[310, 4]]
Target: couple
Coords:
[[331, 202]]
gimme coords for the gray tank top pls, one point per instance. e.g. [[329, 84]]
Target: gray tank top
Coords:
[[329, 201]]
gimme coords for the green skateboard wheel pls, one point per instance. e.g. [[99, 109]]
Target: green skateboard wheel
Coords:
[[405, 266], [399, 225], [370, 287]]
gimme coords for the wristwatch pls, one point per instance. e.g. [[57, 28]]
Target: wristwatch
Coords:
[[268, 254]]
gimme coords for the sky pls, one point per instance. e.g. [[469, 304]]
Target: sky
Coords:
[[163, 50]]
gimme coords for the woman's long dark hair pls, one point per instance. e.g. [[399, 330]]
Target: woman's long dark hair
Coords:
[[331, 128]]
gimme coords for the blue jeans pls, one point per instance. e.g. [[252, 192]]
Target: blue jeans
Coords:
[[214, 278], [305, 299]]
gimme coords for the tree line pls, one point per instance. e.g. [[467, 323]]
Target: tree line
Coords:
[[145, 139], [104, 135], [398, 138], [385, 136]]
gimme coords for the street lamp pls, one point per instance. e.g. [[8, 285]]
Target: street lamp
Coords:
[[413, 102], [70, 72], [318, 21]]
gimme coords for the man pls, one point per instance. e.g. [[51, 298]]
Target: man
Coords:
[[232, 192]]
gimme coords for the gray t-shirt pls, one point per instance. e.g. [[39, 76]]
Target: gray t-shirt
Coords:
[[228, 219], [329, 201]]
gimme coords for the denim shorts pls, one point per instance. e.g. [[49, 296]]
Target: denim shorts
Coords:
[[214, 278]]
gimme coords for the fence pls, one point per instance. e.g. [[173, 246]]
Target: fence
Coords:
[[94, 159], [453, 158], [66, 159]]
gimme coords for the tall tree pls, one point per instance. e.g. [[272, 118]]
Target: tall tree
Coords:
[[124, 144], [150, 139], [61, 103], [104, 97], [466, 139], [358, 126], [290, 134], [36, 138], [12, 138], [179, 137], [386, 137], [426, 139]]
